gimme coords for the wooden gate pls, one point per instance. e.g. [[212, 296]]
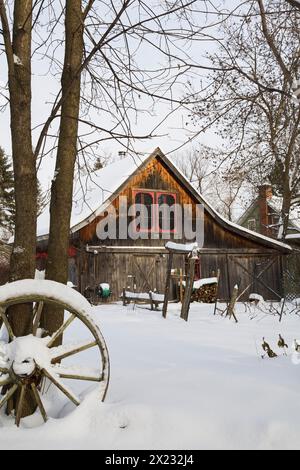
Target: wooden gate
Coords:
[[255, 274], [148, 272]]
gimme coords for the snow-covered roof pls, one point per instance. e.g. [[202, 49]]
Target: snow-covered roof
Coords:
[[231, 225], [293, 236], [93, 195], [92, 191]]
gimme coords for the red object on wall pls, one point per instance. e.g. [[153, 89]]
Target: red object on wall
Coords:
[[72, 252], [44, 255]]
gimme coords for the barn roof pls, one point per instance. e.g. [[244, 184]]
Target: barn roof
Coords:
[[94, 193]]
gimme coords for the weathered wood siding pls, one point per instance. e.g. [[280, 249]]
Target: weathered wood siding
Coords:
[[235, 255]]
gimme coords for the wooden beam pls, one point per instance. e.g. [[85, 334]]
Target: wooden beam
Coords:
[[167, 286], [189, 286]]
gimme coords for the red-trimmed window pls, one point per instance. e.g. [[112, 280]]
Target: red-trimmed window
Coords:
[[167, 200], [152, 217], [145, 199]]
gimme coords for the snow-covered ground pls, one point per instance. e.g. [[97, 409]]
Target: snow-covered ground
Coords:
[[177, 385]]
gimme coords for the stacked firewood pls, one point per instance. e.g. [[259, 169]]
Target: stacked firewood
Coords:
[[206, 294]]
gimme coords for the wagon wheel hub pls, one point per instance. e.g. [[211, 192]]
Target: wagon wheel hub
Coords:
[[28, 354], [25, 374]]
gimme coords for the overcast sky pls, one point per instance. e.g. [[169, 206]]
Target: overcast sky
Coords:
[[173, 132]]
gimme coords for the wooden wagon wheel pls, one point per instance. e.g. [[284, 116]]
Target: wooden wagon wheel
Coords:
[[27, 362]]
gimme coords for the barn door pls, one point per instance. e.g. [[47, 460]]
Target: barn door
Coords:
[[259, 274], [146, 269]]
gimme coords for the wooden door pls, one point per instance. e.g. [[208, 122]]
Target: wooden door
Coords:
[[147, 271]]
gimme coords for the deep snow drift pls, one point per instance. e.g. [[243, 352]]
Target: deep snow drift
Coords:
[[177, 385]]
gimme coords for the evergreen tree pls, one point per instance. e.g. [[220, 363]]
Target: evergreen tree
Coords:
[[7, 199]]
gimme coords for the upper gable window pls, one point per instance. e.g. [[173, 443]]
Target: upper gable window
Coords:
[[158, 213], [166, 208], [146, 201]]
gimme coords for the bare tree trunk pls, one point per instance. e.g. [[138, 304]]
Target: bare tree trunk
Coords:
[[62, 185], [18, 53], [286, 207]]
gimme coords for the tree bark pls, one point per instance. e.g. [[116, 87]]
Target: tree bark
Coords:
[[18, 54], [62, 185]]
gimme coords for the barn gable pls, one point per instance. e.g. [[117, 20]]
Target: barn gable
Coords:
[[158, 173]]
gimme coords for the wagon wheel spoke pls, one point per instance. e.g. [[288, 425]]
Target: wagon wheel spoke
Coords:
[[20, 405], [37, 316], [73, 350], [5, 382], [39, 402], [9, 394], [71, 373], [85, 378], [61, 387], [61, 330], [6, 323]]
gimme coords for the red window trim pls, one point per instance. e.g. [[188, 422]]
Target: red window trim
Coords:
[[151, 193], [174, 195], [155, 222]]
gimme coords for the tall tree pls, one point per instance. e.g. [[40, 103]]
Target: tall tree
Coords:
[[18, 54], [250, 104], [62, 185]]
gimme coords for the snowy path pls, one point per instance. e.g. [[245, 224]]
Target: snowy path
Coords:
[[181, 386]]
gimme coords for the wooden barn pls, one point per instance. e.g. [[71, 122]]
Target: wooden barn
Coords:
[[242, 256]]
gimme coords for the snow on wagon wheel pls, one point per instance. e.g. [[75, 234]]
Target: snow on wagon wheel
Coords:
[[27, 363]]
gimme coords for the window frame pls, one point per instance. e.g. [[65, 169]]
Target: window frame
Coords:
[[248, 223], [152, 194], [155, 194], [174, 195]]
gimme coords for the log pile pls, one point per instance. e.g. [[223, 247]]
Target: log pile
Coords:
[[206, 294]]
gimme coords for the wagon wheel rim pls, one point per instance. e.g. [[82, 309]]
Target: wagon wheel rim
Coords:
[[56, 373]]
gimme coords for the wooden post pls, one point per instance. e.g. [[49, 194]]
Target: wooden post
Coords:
[[217, 294], [282, 310], [232, 303], [181, 285], [167, 287], [151, 300], [124, 297], [189, 285]]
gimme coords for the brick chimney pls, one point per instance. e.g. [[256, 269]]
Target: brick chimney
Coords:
[[265, 194]]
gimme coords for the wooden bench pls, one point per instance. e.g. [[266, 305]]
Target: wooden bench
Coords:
[[151, 298]]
